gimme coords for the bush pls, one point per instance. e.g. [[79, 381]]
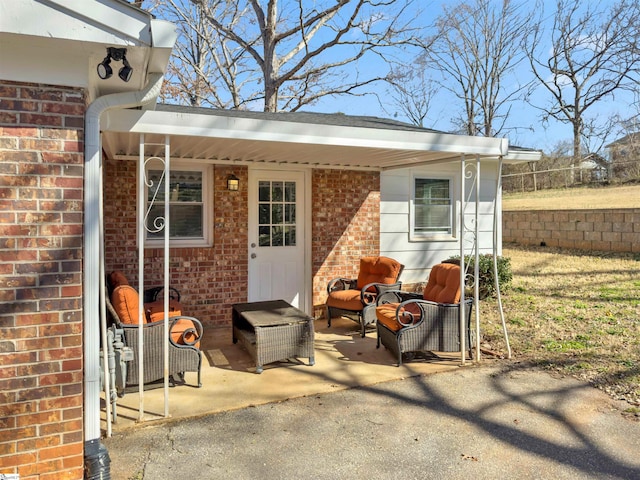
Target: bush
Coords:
[[487, 287]]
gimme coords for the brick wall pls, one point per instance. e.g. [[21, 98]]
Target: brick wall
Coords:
[[346, 225], [608, 230], [41, 179], [210, 279]]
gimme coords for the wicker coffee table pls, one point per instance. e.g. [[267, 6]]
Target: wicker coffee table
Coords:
[[272, 331]]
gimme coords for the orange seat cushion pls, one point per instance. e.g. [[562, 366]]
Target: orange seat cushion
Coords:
[[378, 270], [183, 332], [345, 299], [386, 315], [443, 285]]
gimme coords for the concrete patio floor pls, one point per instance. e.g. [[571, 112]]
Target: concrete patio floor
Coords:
[[342, 360]]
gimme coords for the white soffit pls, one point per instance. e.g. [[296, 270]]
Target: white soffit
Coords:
[[70, 37], [233, 139], [109, 22]]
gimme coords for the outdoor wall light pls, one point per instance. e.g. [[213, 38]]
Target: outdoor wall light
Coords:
[[233, 182], [117, 54]]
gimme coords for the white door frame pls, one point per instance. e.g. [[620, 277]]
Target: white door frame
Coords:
[[307, 303]]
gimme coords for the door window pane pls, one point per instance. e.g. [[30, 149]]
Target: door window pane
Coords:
[[276, 213]]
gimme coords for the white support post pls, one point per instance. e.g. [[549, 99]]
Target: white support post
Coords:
[[463, 325], [476, 270], [496, 224], [167, 188], [141, 235]]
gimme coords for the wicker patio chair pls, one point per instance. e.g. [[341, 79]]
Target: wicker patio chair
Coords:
[[414, 322], [356, 298], [185, 334]]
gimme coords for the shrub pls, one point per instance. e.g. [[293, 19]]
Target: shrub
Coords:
[[486, 287]]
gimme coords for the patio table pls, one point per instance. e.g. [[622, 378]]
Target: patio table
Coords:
[[272, 331]]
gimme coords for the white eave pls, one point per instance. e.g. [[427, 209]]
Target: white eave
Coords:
[[68, 38], [224, 139]]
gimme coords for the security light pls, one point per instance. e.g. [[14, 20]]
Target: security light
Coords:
[[117, 54], [104, 68]]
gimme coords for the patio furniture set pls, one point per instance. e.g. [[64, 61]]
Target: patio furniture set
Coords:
[[272, 331]]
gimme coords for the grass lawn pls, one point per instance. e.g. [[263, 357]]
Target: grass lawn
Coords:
[[624, 196], [573, 313]]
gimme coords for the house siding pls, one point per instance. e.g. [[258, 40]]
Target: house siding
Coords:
[[41, 231], [419, 256]]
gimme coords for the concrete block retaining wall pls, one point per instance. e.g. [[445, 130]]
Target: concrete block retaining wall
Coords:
[[609, 230]]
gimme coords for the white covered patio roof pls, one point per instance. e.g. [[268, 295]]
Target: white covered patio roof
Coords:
[[309, 139]]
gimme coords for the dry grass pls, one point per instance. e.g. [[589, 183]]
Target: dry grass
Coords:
[[575, 198], [575, 313]]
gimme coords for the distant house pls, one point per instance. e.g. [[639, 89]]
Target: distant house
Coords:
[[264, 206], [624, 156], [594, 168]]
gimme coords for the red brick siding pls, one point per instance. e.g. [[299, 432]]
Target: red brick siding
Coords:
[[608, 230], [211, 279], [41, 182], [346, 224]]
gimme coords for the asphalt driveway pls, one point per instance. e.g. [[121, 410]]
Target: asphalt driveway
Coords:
[[488, 422]]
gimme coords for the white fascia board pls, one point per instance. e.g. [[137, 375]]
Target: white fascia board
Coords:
[[107, 22], [172, 123], [518, 156]]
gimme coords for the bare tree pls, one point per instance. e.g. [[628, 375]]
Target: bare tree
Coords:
[[586, 54], [475, 49], [411, 93], [206, 69], [284, 53]]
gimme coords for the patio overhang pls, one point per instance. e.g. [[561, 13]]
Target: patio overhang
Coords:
[[313, 140]]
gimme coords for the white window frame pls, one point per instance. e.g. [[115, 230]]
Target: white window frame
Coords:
[[435, 236], [207, 206]]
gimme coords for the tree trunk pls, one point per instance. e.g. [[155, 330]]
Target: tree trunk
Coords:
[[270, 67]]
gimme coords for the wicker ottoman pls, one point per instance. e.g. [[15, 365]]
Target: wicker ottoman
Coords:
[[272, 331]]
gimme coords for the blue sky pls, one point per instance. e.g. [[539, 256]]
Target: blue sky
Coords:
[[525, 126]]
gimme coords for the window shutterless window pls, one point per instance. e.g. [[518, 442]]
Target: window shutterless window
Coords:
[[432, 208], [189, 202]]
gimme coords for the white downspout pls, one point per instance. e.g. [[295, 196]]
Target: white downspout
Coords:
[[93, 281]]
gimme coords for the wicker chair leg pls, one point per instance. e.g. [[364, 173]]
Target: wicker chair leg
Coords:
[[329, 317]]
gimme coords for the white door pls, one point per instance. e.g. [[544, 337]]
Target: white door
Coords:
[[277, 236]]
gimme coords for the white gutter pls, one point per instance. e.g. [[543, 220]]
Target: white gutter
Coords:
[[93, 282]]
